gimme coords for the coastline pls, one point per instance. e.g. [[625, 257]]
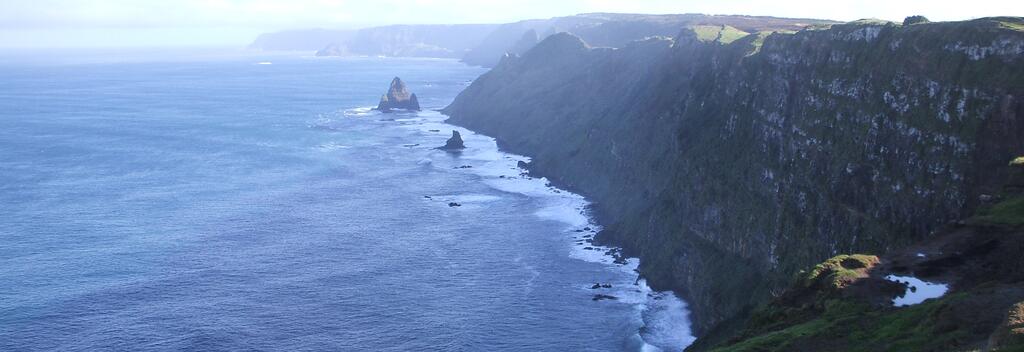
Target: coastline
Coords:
[[664, 314], [662, 317]]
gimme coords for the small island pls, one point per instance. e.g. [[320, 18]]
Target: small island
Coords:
[[398, 97]]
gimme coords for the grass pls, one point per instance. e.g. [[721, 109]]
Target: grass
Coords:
[[758, 40], [1017, 26], [870, 21], [858, 327], [1008, 212], [840, 270], [722, 34], [779, 341]]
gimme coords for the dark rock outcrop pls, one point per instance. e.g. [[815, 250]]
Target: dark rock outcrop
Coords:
[[1010, 334], [454, 143], [915, 20], [398, 97], [728, 162]]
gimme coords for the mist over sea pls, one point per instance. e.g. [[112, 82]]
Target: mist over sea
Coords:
[[231, 201]]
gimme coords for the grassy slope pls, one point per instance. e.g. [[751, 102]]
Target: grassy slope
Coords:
[[829, 322]]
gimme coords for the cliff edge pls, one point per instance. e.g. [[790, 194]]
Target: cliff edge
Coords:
[[728, 160]]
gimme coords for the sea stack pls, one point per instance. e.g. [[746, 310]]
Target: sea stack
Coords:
[[454, 143], [398, 97]]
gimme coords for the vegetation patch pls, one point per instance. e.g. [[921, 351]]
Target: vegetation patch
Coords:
[[1008, 212], [722, 34], [840, 270], [1017, 26], [861, 328], [870, 21]]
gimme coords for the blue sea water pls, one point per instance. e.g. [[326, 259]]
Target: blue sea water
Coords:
[[209, 201]]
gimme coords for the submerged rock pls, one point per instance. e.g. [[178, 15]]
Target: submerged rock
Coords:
[[600, 297], [454, 143], [398, 97]]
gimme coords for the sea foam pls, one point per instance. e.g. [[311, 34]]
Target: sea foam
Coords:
[[664, 316]]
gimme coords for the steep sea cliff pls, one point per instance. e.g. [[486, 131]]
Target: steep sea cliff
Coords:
[[729, 161], [613, 30]]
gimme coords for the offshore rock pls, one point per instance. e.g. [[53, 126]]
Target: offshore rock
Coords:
[[398, 97], [454, 143]]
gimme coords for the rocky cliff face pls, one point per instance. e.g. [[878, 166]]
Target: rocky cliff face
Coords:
[[729, 161], [849, 302], [613, 30]]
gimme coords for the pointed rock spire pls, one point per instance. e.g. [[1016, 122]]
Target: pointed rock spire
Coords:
[[398, 97], [454, 143]]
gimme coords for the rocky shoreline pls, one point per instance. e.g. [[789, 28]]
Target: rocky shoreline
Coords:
[[763, 154], [580, 235]]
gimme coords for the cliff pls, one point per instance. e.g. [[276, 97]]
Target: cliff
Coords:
[[846, 303], [440, 41], [612, 30], [730, 161], [299, 40], [485, 44]]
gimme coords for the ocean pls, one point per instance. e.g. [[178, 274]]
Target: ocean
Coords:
[[169, 201]]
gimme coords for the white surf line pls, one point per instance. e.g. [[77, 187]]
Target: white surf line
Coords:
[[917, 290], [664, 316]]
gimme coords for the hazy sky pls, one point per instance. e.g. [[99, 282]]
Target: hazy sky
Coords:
[[62, 23]]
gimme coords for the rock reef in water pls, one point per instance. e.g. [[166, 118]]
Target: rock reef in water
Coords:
[[454, 143], [398, 97]]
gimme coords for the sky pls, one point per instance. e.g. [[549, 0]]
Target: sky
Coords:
[[169, 23]]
